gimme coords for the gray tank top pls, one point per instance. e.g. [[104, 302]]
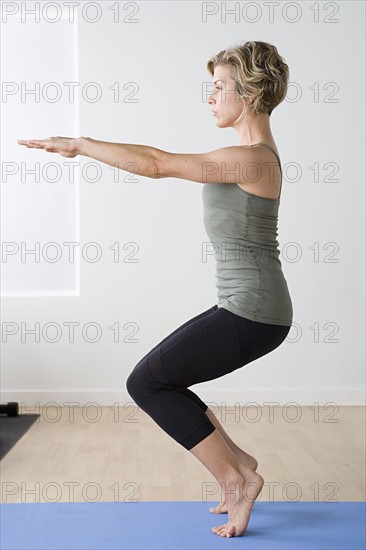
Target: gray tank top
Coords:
[[243, 230]]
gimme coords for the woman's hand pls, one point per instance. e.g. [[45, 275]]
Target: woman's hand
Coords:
[[65, 146]]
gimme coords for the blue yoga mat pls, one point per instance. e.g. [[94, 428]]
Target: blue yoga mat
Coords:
[[179, 525]]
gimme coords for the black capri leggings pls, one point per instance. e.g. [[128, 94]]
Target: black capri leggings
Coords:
[[206, 347]]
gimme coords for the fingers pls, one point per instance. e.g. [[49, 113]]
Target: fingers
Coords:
[[35, 143], [25, 142], [39, 142], [51, 145]]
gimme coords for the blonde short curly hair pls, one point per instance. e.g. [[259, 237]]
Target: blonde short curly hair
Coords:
[[259, 72]]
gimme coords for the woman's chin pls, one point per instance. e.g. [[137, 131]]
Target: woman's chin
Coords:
[[220, 124]]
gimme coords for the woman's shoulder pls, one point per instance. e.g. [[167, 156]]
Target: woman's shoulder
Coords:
[[263, 174]]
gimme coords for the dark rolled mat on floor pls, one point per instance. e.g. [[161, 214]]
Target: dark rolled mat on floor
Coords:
[[12, 428]]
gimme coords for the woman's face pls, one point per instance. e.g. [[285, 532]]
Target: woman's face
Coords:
[[224, 99]]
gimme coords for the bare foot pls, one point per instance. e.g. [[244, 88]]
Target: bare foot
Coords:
[[240, 495], [249, 462]]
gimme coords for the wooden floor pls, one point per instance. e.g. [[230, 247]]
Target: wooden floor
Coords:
[[125, 456]]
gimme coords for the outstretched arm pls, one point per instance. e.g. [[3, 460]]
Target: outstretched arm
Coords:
[[136, 159], [228, 164]]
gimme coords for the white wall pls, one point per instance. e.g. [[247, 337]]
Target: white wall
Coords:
[[157, 53]]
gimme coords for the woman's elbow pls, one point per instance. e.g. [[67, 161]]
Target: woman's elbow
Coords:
[[156, 171], [158, 165]]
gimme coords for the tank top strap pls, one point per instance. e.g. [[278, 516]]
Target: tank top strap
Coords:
[[277, 156]]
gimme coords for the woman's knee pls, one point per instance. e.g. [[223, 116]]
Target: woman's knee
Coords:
[[138, 380]]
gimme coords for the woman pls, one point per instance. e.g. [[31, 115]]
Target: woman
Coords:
[[241, 196]]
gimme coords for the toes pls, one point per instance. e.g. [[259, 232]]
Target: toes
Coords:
[[221, 508], [221, 530], [216, 510], [218, 529], [230, 531], [224, 530]]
